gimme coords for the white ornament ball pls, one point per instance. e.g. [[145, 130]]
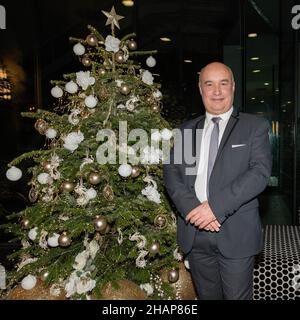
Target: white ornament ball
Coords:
[[13, 174], [53, 241], [43, 178], [156, 136], [28, 282], [90, 101], [125, 170], [166, 134], [32, 234], [71, 87], [79, 49], [51, 133], [57, 92], [91, 193], [150, 62]]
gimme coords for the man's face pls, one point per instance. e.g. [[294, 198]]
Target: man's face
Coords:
[[217, 88]]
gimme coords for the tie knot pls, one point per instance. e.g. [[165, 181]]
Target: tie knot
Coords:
[[216, 119]]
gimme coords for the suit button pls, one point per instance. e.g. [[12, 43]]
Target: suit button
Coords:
[[192, 187]]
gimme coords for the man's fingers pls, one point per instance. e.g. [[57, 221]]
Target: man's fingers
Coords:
[[215, 225]]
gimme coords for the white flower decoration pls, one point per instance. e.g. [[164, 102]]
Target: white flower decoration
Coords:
[[84, 79], [147, 77], [112, 44]]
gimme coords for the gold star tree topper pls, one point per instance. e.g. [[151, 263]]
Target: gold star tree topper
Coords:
[[112, 18]]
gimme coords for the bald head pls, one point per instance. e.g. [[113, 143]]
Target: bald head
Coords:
[[216, 86], [216, 66]]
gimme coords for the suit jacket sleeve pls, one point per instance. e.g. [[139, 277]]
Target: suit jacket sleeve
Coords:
[[248, 185], [184, 199]]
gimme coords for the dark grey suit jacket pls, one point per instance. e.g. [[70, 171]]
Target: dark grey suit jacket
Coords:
[[241, 172]]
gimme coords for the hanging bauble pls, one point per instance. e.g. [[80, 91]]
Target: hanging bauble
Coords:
[[135, 171], [92, 40], [160, 221], [32, 234], [108, 193], [86, 61], [132, 45], [173, 275], [154, 247], [125, 170], [41, 126], [124, 89], [151, 62], [103, 93], [166, 134], [90, 101], [155, 108], [79, 49], [64, 240], [47, 165], [71, 87], [119, 56], [28, 282], [100, 223], [51, 133], [25, 224], [67, 186], [57, 92], [44, 275], [33, 195], [184, 286], [94, 178], [53, 240], [102, 72], [125, 290], [44, 178], [107, 64], [13, 174]]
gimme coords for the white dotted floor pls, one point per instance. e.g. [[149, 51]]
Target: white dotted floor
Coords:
[[277, 268]]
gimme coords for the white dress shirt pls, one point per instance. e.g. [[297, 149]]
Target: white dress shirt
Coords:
[[201, 179]]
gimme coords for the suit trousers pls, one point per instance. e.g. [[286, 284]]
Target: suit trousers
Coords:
[[215, 276]]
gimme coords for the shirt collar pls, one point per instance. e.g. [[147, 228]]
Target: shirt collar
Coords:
[[224, 116]]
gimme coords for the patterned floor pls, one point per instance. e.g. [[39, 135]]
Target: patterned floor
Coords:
[[277, 269]]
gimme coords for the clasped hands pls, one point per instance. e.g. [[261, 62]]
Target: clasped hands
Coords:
[[203, 218]]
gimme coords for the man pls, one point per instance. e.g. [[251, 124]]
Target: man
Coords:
[[218, 225]]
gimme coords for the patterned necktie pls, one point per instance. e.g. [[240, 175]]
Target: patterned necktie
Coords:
[[213, 149]]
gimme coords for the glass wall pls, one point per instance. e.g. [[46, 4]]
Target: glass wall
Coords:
[[269, 73]]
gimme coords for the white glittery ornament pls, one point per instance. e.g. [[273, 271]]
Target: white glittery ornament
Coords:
[[28, 282], [125, 170], [13, 174], [90, 101], [150, 62], [57, 92], [51, 133], [79, 49], [71, 87]]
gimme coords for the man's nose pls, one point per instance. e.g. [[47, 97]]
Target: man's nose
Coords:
[[217, 90]]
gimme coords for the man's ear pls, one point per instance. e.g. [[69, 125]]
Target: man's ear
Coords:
[[199, 85]]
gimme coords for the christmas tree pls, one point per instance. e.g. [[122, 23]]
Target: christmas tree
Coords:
[[100, 224]]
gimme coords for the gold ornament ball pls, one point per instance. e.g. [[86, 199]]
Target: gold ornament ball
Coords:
[[44, 275], [119, 56], [47, 165], [154, 248], [173, 275], [64, 240], [100, 223], [39, 292], [124, 89], [160, 221], [41, 126], [92, 40], [86, 61], [135, 171], [155, 108], [149, 100], [25, 224], [32, 195], [185, 283], [67, 186], [108, 193], [102, 72], [94, 178], [123, 290], [132, 45]]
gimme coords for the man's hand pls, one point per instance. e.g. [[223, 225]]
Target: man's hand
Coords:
[[203, 218]]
